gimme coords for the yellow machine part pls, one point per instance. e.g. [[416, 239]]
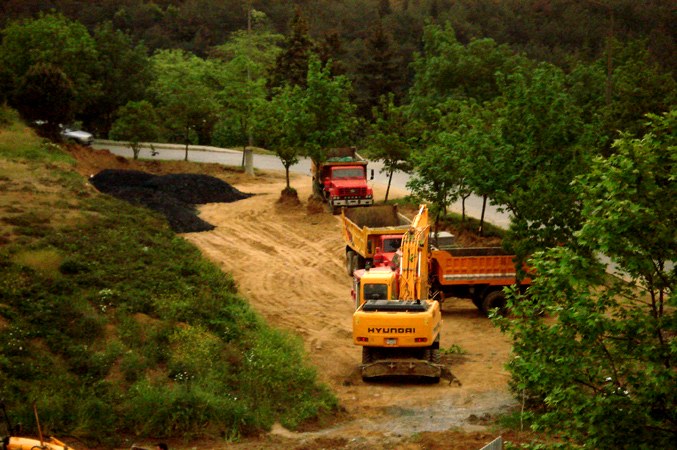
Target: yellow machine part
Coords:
[[397, 328], [414, 264], [20, 443]]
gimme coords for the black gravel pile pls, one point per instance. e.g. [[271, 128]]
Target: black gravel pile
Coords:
[[109, 180], [196, 188], [174, 195]]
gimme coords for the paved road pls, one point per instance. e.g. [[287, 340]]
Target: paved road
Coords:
[[270, 162]]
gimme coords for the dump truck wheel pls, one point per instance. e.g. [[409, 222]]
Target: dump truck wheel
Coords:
[[367, 356], [495, 299], [350, 268], [356, 262]]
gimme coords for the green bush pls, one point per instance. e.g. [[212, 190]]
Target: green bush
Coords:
[[133, 331]]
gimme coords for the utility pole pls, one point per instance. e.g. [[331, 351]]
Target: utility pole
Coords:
[[248, 152]]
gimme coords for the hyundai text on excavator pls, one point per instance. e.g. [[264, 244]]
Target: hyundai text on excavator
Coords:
[[395, 322]]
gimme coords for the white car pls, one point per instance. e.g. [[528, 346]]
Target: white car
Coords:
[[77, 136]]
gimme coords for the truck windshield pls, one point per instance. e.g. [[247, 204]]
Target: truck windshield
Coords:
[[391, 245], [376, 292], [354, 172]]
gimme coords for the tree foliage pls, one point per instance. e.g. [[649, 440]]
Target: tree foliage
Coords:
[[390, 138], [328, 109], [136, 122], [247, 56], [46, 96], [123, 71], [185, 89], [291, 66], [594, 353], [54, 40]]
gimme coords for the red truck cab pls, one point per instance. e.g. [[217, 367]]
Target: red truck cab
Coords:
[[347, 186], [341, 179]]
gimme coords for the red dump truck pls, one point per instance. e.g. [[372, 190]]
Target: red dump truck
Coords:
[[341, 179], [476, 273]]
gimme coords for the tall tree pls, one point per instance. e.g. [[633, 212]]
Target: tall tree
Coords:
[[434, 179], [595, 354], [291, 66], [123, 71], [379, 72], [448, 69], [539, 156], [331, 114], [46, 96], [285, 122], [57, 41], [247, 56], [469, 132]]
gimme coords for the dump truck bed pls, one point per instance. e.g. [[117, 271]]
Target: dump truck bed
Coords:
[[358, 225], [483, 266]]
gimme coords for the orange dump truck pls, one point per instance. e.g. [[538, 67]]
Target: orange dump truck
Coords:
[[479, 274]]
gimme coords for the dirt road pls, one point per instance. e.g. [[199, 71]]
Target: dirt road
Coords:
[[289, 264]]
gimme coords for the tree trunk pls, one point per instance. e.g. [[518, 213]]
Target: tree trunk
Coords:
[[187, 141], [390, 179], [484, 208]]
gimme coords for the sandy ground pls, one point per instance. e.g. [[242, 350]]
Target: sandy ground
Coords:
[[290, 265]]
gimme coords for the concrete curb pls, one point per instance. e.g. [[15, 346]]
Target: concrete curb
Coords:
[[163, 146]]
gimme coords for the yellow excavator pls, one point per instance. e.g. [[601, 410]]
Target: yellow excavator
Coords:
[[395, 322]]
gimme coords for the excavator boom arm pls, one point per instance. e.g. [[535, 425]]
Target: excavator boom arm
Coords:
[[414, 264]]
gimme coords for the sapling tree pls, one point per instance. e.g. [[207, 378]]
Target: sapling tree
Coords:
[[136, 122], [390, 137], [594, 352]]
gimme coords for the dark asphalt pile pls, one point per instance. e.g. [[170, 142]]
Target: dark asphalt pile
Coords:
[[175, 195]]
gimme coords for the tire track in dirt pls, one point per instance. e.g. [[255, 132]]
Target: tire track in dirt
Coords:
[[288, 269], [289, 265]]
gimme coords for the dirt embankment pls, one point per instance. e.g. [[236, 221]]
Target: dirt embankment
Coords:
[[289, 264]]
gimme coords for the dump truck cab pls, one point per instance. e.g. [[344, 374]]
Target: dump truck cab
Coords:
[[341, 179]]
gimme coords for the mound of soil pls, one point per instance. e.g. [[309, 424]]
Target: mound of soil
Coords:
[[288, 197], [196, 188], [315, 204], [174, 195], [182, 217]]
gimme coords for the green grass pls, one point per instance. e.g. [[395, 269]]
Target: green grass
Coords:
[[17, 143], [116, 326]]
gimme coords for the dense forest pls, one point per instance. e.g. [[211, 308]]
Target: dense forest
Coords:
[[560, 112]]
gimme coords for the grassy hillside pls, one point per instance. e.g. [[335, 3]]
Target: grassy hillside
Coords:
[[116, 326]]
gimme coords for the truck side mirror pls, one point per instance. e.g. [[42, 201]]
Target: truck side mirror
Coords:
[[372, 174]]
